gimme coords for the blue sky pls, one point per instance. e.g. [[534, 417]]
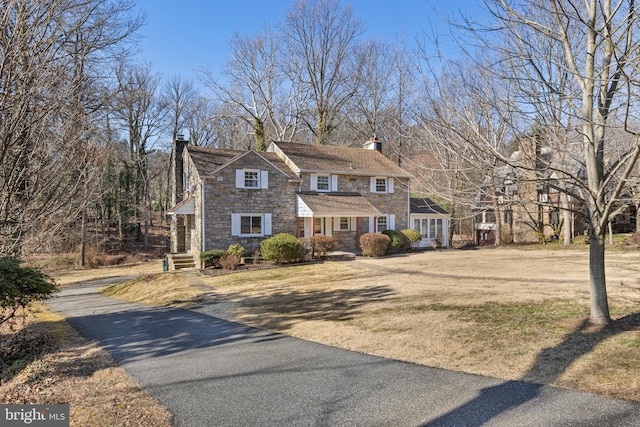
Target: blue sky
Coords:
[[190, 34]]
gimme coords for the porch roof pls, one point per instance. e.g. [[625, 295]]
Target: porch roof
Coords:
[[312, 204], [185, 207]]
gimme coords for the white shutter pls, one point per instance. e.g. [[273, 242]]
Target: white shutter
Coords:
[[235, 224], [264, 179], [354, 223], [392, 222], [372, 224], [334, 183], [314, 182], [373, 184], [239, 178], [336, 223], [391, 185], [267, 224]]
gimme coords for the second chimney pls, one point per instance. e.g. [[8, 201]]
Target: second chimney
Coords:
[[373, 144]]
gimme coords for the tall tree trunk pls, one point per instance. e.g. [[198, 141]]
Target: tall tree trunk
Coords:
[[567, 229], [597, 280], [83, 237]]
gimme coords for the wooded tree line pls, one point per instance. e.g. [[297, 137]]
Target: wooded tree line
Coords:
[[85, 126]]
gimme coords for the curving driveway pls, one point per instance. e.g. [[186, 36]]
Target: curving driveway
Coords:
[[211, 372]]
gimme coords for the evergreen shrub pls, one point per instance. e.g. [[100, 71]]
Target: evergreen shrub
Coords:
[[398, 242], [281, 248]]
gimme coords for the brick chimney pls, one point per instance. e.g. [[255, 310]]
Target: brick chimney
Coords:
[[373, 144]]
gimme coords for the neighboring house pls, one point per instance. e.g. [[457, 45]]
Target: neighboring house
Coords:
[[229, 196], [431, 221], [526, 200]]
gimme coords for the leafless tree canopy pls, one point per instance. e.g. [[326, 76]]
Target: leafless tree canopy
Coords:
[[51, 54]]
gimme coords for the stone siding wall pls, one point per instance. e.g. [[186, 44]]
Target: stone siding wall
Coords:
[[395, 203], [222, 199]]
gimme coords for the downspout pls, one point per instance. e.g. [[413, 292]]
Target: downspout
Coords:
[[202, 211], [409, 203]]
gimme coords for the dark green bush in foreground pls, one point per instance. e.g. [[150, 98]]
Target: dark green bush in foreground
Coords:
[[21, 285], [398, 242], [281, 248]]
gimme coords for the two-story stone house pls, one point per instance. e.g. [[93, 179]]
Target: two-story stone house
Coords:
[[229, 196]]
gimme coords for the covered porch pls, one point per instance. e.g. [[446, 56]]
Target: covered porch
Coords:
[[183, 237], [344, 216]]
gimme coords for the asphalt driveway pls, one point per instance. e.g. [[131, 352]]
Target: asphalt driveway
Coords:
[[211, 372]]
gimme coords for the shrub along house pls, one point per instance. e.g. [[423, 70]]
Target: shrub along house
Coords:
[[230, 196]]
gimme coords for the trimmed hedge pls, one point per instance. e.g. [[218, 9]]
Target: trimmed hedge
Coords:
[[374, 244], [398, 244], [412, 235], [281, 248]]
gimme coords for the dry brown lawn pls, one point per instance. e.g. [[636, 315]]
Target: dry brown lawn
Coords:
[[507, 313], [510, 313], [65, 368]]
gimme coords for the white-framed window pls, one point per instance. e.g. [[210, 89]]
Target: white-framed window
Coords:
[[252, 178], [381, 184], [435, 228], [344, 223], [377, 224], [250, 224], [323, 183], [381, 224]]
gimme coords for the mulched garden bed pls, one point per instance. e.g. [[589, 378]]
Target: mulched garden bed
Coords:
[[262, 265]]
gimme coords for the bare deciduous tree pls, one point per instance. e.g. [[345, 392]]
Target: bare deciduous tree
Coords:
[[51, 54], [320, 40], [592, 72]]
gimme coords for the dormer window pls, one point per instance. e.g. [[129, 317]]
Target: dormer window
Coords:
[[323, 183]]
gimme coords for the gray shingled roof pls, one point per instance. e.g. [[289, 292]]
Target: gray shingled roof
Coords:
[[208, 160], [423, 205], [344, 160], [338, 204]]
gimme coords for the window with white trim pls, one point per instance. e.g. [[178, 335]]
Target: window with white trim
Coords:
[[382, 185], [323, 183], [381, 224], [252, 178], [250, 224], [345, 224]]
